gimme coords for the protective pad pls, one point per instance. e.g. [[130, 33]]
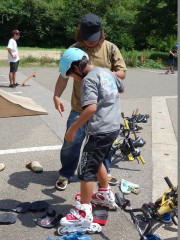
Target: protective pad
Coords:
[[22, 207], [127, 187], [7, 218], [100, 216], [27, 206], [150, 236], [38, 206]]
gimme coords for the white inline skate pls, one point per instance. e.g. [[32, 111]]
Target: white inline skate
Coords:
[[79, 219], [104, 197]]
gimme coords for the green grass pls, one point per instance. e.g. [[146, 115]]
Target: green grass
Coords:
[[153, 59], [35, 48]]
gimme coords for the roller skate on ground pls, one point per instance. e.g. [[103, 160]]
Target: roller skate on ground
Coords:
[[104, 197], [80, 219]]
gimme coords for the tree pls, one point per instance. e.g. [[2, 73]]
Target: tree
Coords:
[[156, 22]]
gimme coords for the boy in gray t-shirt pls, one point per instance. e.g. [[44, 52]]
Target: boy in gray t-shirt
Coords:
[[101, 111]]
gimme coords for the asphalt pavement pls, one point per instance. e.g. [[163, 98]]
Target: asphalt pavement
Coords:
[[25, 139]]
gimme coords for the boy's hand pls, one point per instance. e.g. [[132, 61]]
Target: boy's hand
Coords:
[[59, 105], [70, 134]]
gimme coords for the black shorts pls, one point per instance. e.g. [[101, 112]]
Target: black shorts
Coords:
[[14, 66], [94, 151]]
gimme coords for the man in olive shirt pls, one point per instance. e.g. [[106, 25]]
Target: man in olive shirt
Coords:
[[90, 38]]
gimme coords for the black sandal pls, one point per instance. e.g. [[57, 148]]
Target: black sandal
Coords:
[[50, 220]]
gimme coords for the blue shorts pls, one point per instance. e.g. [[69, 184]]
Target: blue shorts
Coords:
[[171, 62], [93, 152]]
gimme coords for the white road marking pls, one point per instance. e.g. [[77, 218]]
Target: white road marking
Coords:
[[171, 96], [4, 82], [31, 149], [15, 92], [164, 147], [164, 155]]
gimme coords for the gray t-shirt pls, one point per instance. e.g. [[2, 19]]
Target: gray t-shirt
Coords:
[[102, 87]]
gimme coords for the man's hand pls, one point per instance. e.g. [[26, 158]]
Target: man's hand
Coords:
[[59, 105], [70, 134]]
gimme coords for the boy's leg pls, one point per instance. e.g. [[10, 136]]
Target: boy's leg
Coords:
[[11, 74], [86, 192], [91, 166], [102, 177], [168, 69], [107, 163]]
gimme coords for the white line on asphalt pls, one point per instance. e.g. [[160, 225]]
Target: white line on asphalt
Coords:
[[31, 149], [171, 96], [3, 82], [15, 92], [2, 75], [164, 147], [164, 155]]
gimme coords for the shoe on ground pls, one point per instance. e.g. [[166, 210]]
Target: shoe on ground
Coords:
[[16, 84], [166, 218], [61, 183], [112, 181], [2, 166], [34, 166], [172, 72], [11, 85], [167, 72]]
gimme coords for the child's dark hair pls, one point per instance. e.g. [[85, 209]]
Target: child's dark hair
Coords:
[[80, 63]]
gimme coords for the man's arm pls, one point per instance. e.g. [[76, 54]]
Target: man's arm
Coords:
[[83, 118], [10, 52], [59, 89], [120, 74]]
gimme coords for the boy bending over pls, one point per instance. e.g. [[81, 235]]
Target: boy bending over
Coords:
[[101, 112]]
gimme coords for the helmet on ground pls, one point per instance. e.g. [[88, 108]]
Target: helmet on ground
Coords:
[[175, 46], [68, 57]]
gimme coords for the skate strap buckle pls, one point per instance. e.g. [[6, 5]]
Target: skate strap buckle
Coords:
[[75, 213]]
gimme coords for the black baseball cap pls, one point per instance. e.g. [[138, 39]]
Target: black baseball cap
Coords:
[[90, 27]]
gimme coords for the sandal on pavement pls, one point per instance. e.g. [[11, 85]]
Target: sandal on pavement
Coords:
[[34, 166], [49, 220], [7, 218], [61, 183], [112, 181], [2, 166]]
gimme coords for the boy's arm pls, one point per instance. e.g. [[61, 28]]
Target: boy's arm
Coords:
[[172, 53], [120, 85], [83, 118]]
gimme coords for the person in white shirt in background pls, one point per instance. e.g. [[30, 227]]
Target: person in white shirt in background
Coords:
[[13, 58]]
